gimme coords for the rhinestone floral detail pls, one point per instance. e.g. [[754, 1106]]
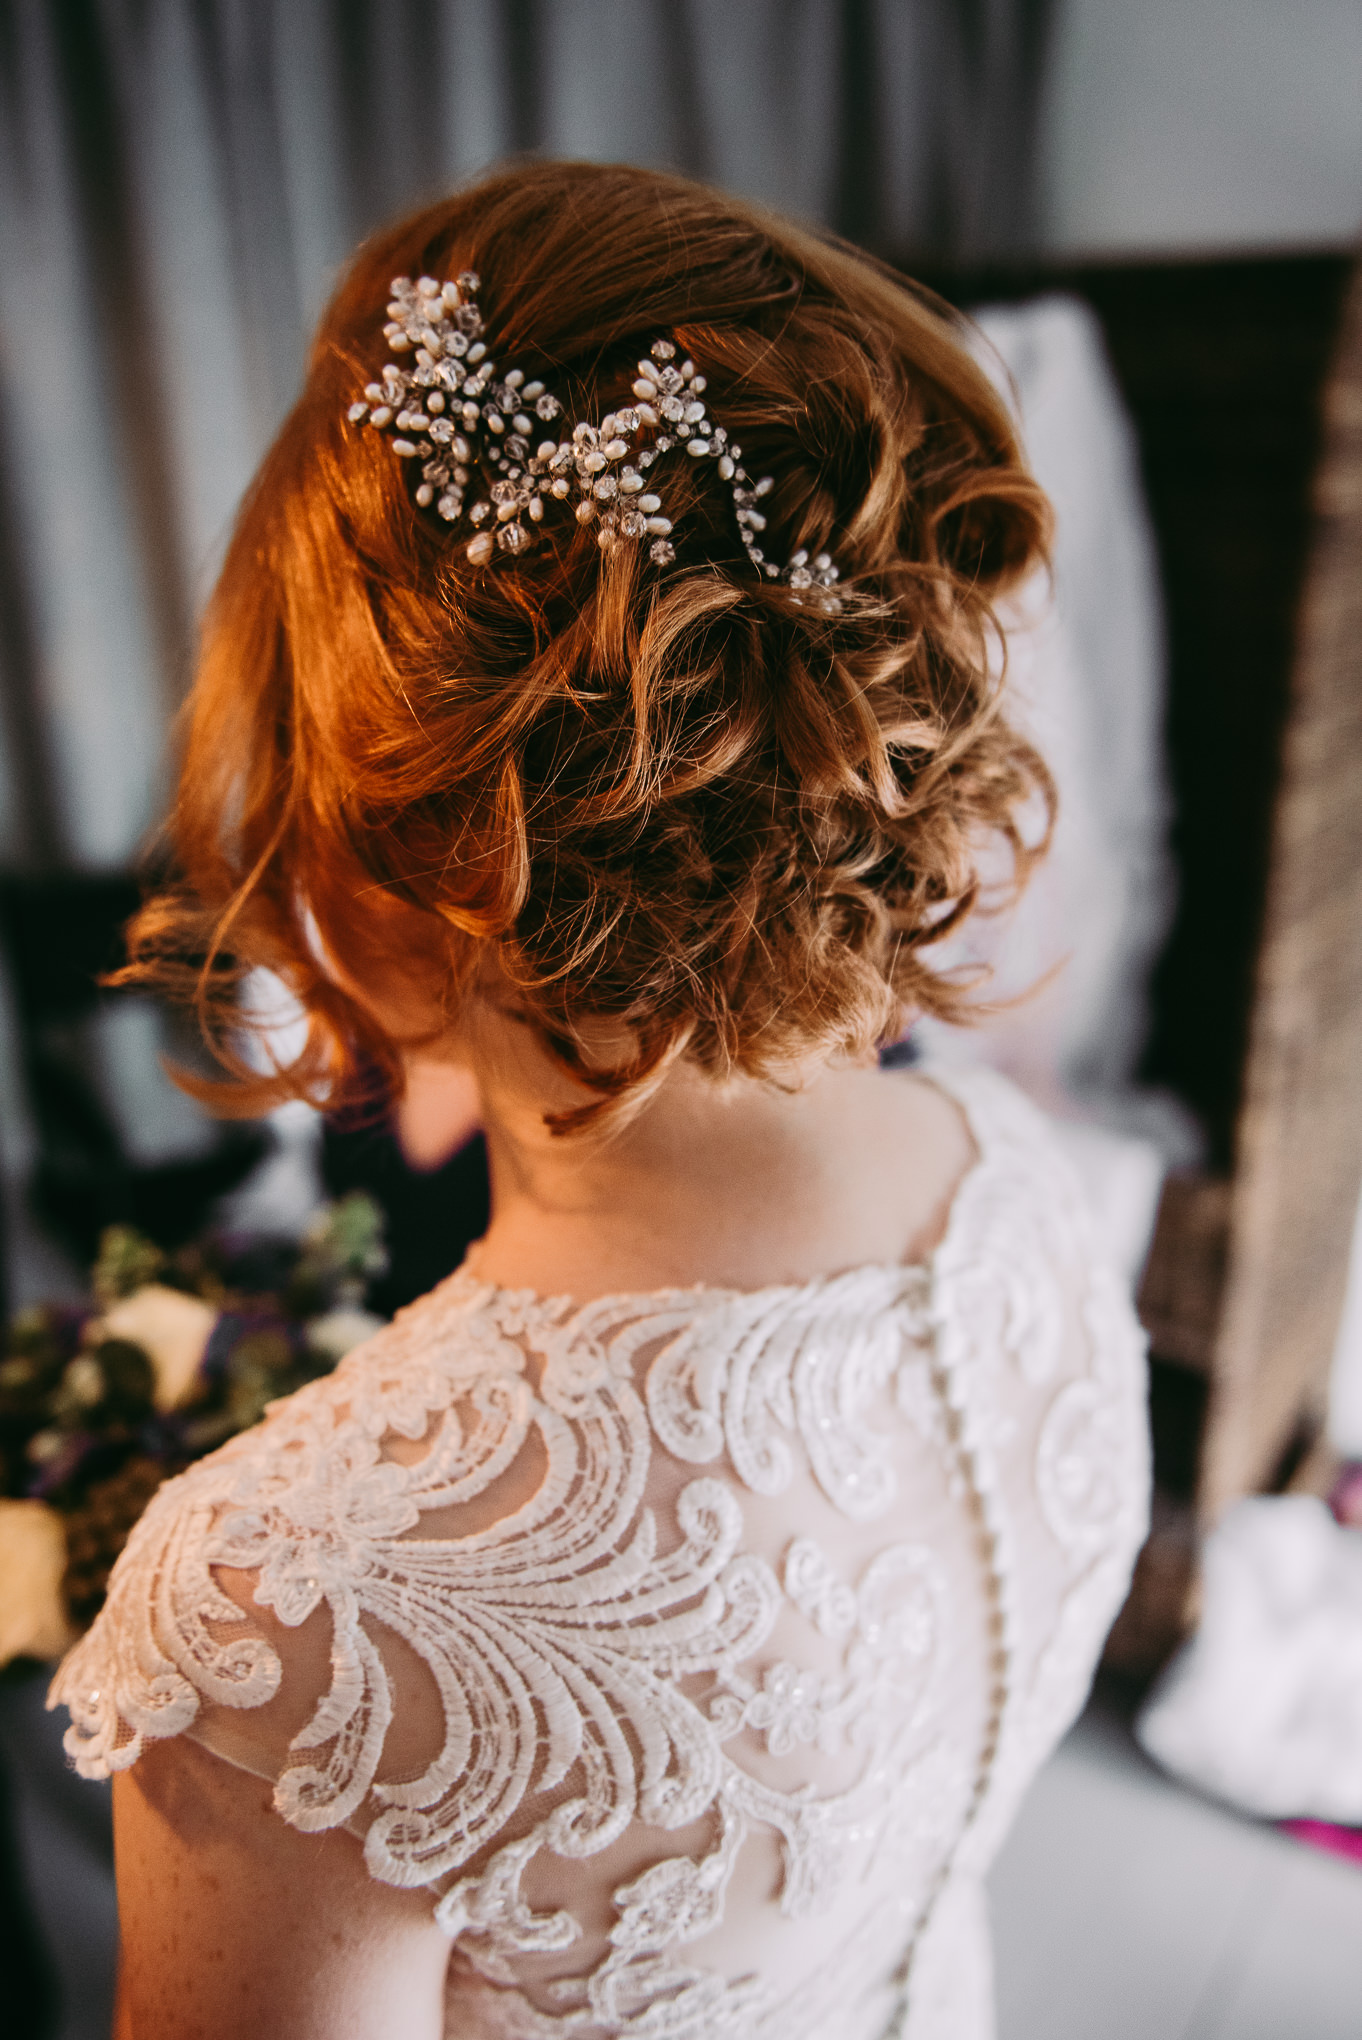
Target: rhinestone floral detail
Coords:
[[496, 448]]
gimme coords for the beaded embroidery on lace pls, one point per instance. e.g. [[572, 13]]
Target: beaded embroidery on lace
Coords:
[[582, 1657]]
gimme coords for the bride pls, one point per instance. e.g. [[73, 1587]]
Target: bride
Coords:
[[654, 1630]]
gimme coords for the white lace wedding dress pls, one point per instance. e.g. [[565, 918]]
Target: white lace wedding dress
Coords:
[[693, 1648]]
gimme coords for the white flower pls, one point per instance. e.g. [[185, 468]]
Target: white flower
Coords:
[[172, 1328], [83, 1381], [32, 1560]]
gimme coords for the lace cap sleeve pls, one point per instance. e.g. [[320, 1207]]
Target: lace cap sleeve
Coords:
[[233, 1611], [171, 1643]]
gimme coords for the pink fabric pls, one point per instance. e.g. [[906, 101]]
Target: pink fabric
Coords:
[[1326, 1834], [1346, 1498]]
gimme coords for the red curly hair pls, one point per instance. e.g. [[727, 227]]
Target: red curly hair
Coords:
[[669, 797]]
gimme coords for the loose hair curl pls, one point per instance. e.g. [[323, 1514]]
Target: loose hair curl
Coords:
[[673, 799]]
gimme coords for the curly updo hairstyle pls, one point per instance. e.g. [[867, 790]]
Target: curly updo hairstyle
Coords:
[[670, 796]]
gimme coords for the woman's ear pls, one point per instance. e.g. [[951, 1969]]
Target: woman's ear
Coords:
[[439, 1110]]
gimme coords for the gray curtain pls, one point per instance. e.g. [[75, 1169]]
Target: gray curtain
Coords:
[[179, 180]]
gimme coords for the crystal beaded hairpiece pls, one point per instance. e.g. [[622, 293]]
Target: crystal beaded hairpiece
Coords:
[[450, 408]]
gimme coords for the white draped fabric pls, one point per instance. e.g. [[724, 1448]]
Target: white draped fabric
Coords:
[[1262, 1707], [1085, 676]]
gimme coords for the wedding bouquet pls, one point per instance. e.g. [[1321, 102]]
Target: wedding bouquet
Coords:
[[174, 1354]]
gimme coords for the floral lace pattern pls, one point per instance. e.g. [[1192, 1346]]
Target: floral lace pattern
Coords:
[[640, 1640]]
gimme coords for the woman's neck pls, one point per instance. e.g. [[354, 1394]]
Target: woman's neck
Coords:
[[735, 1185]]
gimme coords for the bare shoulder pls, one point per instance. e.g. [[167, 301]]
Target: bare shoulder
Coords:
[[905, 1147], [932, 1128], [934, 1122], [233, 1923]]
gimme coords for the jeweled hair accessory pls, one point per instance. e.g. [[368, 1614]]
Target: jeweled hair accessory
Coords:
[[477, 434]]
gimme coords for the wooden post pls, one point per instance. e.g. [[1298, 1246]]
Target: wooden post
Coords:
[[1299, 1140]]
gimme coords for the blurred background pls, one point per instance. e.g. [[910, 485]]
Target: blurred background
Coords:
[[1153, 212]]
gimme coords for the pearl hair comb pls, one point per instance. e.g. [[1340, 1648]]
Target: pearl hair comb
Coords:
[[473, 430]]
